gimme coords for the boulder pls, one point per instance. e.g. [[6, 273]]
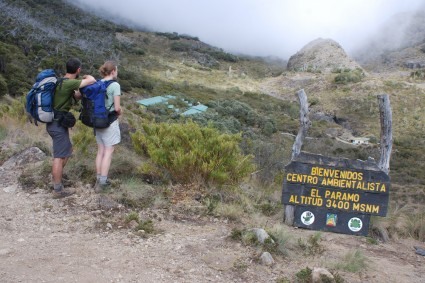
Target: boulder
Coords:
[[261, 235], [28, 156], [267, 259], [321, 55], [321, 275]]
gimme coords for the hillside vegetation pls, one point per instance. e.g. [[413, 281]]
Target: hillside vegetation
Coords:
[[237, 150]]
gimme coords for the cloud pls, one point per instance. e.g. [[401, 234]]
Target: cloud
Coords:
[[261, 27]]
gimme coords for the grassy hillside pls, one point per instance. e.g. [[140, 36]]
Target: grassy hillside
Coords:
[[253, 97]]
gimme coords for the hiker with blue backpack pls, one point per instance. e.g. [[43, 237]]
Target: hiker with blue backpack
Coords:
[[67, 91], [109, 136]]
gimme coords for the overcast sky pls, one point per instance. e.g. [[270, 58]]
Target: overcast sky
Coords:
[[262, 27]]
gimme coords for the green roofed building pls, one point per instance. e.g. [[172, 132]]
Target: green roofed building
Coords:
[[195, 110], [164, 99], [155, 100]]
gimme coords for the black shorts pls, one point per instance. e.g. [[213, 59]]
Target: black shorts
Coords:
[[62, 146]]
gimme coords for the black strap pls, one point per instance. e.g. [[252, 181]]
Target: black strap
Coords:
[[107, 84]]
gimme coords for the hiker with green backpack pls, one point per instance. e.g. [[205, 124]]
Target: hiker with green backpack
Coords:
[[66, 91]]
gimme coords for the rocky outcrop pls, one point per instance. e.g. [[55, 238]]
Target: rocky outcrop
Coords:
[[321, 55]]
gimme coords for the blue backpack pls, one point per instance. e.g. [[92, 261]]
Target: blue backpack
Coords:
[[93, 112], [39, 100]]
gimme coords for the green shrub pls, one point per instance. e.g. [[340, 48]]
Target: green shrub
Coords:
[[146, 225], [13, 108], [3, 86], [313, 245], [190, 152], [304, 275], [169, 35], [221, 55], [419, 74], [83, 140], [349, 76], [3, 133], [354, 261], [415, 226], [281, 237], [139, 51], [180, 46], [133, 215]]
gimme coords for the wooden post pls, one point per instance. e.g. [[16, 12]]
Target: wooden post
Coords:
[[386, 132], [304, 124], [296, 148]]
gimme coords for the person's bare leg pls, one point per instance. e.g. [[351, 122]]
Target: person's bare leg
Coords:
[[106, 160], [99, 158], [57, 170]]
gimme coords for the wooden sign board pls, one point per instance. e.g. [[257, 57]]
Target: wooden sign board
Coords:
[[338, 194]]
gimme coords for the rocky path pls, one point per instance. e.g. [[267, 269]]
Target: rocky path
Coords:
[[75, 240], [78, 240]]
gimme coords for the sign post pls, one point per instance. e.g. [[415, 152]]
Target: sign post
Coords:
[[337, 194]]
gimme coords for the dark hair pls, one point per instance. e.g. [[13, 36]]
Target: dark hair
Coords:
[[72, 65], [107, 68]]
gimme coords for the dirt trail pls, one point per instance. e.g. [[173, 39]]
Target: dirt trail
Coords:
[[74, 240]]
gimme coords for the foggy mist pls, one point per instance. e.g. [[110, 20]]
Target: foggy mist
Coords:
[[263, 28]]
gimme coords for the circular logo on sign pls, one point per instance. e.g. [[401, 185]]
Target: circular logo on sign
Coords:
[[307, 218], [355, 224]]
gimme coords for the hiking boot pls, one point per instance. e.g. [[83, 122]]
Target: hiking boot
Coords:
[[99, 188], [63, 193]]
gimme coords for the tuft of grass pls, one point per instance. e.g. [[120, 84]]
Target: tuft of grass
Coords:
[[269, 208], [371, 241], [3, 133], [240, 265], [249, 238], [349, 76], [36, 177], [354, 261], [134, 193], [132, 216], [236, 234], [312, 246], [211, 203], [282, 280], [304, 275], [415, 226], [147, 226], [281, 238], [231, 211]]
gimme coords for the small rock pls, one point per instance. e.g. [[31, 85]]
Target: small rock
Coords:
[[10, 189], [320, 275], [261, 235], [109, 225], [5, 252], [267, 259], [133, 224]]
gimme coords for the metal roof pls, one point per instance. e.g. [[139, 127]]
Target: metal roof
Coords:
[[163, 99]]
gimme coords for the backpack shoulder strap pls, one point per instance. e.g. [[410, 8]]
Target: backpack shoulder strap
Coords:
[[107, 83], [60, 81]]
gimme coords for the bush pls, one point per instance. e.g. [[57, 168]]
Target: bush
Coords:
[[3, 86], [419, 74], [354, 261], [190, 152], [180, 46], [304, 275], [349, 76]]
